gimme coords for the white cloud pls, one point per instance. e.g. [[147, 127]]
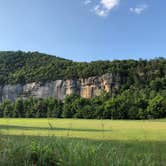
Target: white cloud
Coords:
[[87, 2], [105, 6], [109, 4], [139, 9]]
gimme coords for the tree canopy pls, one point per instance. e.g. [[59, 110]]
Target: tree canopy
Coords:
[[24, 67]]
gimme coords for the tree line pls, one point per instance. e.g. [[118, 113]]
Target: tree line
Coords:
[[130, 104]]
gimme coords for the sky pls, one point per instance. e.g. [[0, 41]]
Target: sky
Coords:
[[85, 30]]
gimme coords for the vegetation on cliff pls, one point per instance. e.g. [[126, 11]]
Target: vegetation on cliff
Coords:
[[142, 93], [23, 67]]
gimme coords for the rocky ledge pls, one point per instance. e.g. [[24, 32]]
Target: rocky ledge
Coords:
[[87, 88]]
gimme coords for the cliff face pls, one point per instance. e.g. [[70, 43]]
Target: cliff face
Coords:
[[86, 88]]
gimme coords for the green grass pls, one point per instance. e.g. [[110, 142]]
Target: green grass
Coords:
[[152, 130], [82, 142]]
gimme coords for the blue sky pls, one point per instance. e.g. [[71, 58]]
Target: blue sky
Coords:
[[85, 30]]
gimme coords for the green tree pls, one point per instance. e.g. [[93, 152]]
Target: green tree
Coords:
[[68, 110], [18, 109], [7, 108], [157, 107]]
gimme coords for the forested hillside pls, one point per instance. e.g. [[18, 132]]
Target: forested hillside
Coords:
[[142, 92], [21, 67]]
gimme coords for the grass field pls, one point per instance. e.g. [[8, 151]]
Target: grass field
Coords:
[[82, 142]]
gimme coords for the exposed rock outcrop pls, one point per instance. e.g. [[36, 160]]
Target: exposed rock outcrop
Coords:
[[87, 87]]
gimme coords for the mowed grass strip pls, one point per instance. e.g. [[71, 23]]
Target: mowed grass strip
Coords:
[[152, 130]]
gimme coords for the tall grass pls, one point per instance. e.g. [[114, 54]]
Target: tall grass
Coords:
[[50, 151]]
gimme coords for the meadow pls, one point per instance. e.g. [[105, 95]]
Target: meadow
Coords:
[[82, 142]]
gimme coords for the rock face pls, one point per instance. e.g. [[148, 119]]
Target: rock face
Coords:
[[87, 88]]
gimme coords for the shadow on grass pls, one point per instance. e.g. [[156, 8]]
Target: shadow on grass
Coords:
[[11, 127]]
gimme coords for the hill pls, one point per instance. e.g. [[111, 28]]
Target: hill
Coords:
[[25, 67], [135, 89]]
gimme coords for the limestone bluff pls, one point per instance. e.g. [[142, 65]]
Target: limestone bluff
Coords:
[[85, 87]]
